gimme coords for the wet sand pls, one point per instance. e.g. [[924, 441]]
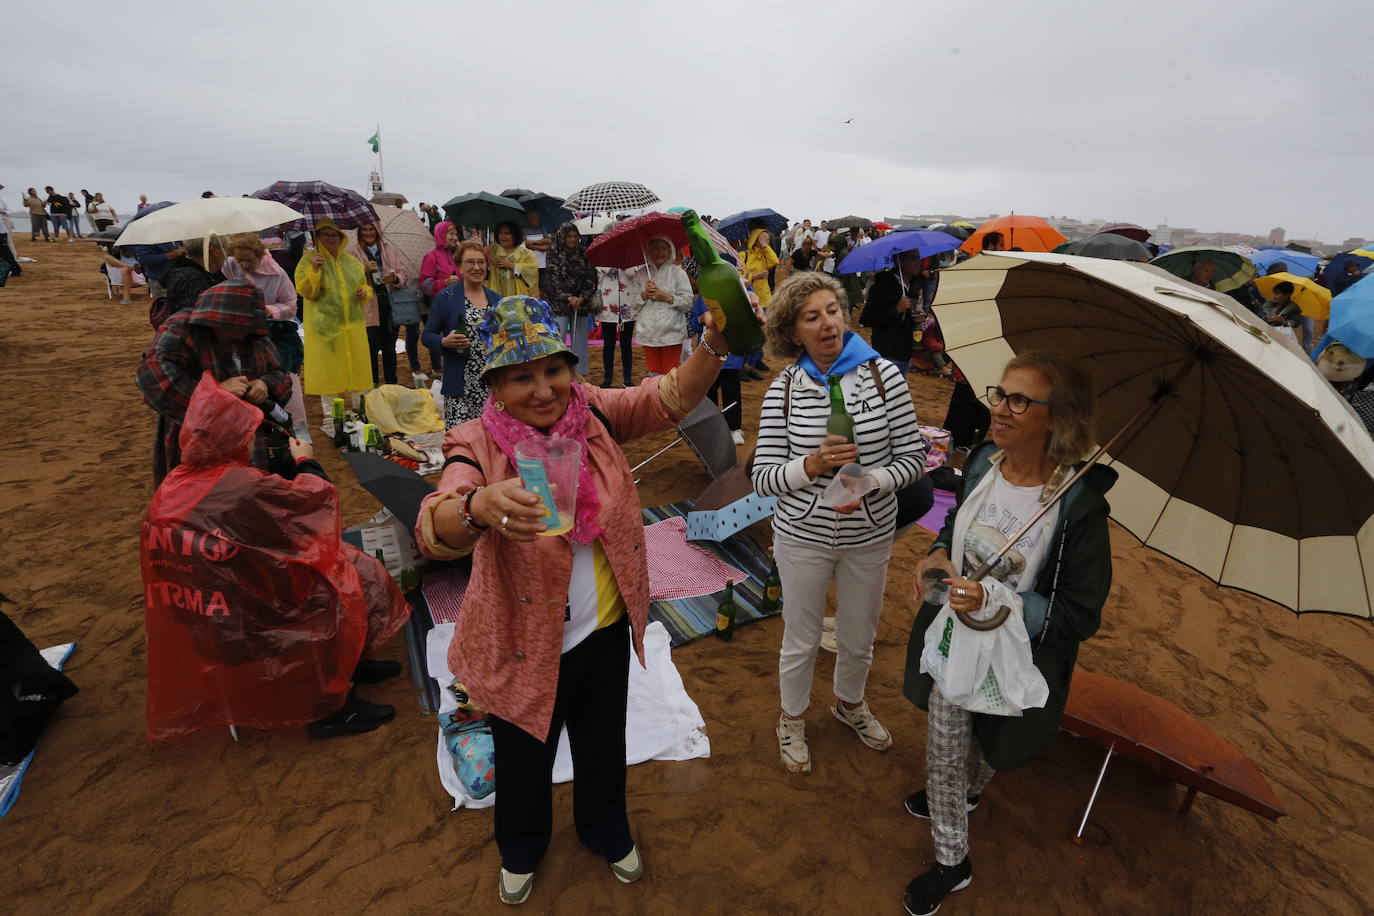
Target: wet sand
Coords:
[[281, 824]]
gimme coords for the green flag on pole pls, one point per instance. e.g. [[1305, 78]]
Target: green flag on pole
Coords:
[[376, 143]]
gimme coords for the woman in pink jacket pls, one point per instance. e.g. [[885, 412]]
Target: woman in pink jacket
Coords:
[[545, 631], [249, 260]]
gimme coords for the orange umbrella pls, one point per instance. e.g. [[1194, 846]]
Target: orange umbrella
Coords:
[[1027, 233], [1150, 730]]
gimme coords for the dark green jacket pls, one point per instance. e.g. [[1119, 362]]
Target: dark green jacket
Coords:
[[1080, 559]]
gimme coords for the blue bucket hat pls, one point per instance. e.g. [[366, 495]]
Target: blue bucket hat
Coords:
[[519, 329]]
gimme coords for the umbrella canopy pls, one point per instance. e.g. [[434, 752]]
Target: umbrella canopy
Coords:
[[1108, 245], [737, 226], [1312, 298], [1294, 262], [317, 200], [883, 226], [388, 199], [959, 232], [552, 213], [1155, 733], [206, 216], [609, 196], [881, 254], [1238, 459], [850, 222], [1335, 268], [594, 225], [1352, 318], [1028, 233], [678, 209], [483, 211], [399, 489], [405, 230], [1129, 230], [518, 193], [1233, 270], [623, 245], [152, 208]]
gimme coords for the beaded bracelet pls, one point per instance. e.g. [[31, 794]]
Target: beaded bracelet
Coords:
[[709, 349], [470, 524]]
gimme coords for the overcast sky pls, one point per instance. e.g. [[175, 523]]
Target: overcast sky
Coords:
[[1220, 115]]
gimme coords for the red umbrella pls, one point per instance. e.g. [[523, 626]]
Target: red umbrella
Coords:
[[883, 226], [624, 246], [1130, 230], [1027, 233], [1150, 730]]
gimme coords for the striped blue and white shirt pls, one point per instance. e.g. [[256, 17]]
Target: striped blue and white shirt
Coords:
[[890, 448]]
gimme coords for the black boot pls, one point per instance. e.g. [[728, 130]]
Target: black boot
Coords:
[[356, 716], [374, 671]]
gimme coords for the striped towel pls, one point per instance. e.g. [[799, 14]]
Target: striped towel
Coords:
[[678, 569]]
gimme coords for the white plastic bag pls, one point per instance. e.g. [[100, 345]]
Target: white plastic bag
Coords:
[[986, 671]]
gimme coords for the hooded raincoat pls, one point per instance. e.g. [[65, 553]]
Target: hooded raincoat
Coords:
[[391, 262], [256, 611], [438, 266], [661, 324], [568, 273], [520, 280], [187, 347], [337, 356], [757, 258]]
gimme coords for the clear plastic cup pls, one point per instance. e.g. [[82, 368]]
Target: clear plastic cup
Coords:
[[934, 590], [548, 467]]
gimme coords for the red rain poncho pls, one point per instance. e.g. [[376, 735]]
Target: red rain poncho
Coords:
[[256, 611]]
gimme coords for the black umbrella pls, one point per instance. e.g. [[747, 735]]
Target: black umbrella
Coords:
[[851, 222], [399, 489], [1109, 245], [552, 213], [517, 193]]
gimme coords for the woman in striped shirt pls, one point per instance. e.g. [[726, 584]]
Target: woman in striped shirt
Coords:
[[795, 460]]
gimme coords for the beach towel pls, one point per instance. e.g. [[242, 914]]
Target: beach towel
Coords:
[[678, 569], [12, 776], [661, 722]]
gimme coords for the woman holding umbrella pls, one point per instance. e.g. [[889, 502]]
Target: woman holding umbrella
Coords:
[[569, 286], [334, 285], [514, 270], [548, 622], [1055, 579]]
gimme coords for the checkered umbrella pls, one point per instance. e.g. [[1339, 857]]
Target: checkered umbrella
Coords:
[[609, 196], [319, 200]]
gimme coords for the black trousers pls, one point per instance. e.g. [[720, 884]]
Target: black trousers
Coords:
[[8, 256], [967, 418], [725, 390], [593, 681], [627, 353], [382, 336]]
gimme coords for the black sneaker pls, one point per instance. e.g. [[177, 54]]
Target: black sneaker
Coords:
[[917, 805], [374, 671], [925, 893], [762, 367], [356, 716]]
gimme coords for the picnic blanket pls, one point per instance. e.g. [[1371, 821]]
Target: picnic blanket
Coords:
[[690, 618], [661, 722], [678, 569], [12, 776], [934, 520]]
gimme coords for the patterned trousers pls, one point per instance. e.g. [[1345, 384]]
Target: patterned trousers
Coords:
[[955, 770]]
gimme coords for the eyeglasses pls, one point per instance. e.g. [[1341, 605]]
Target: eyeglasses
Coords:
[[1016, 403], [481, 263]]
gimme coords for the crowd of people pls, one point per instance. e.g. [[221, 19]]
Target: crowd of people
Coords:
[[550, 624]]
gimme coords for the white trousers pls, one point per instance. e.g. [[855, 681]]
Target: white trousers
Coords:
[[860, 573]]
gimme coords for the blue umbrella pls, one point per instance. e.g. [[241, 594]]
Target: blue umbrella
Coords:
[[880, 255], [1335, 269], [736, 227], [1298, 264], [1352, 318], [152, 208]]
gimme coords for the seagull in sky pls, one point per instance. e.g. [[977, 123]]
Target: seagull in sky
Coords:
[[851, 119]]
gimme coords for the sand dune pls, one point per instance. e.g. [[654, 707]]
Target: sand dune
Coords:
[[279, 823]]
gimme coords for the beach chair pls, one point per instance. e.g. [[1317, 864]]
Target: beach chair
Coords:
[[114, 279]]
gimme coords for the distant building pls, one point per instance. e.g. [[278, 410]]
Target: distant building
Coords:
[[1353, 243], [1276, 236]]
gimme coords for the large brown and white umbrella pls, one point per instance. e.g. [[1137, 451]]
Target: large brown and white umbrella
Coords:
[[1235, 456]]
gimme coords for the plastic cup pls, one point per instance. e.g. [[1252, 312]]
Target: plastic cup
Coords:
[[934, 589], [549, 468]]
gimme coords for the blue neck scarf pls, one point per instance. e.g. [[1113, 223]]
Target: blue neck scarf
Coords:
[[856, 352]]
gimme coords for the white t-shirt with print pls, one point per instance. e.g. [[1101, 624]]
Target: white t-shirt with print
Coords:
[[1002, 514]]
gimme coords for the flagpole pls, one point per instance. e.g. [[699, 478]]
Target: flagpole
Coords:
[[381, 170]]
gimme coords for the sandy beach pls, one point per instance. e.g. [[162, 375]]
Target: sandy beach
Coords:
[[278, 823]]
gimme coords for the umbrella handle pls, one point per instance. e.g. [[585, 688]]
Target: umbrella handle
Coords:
[[992, 623]]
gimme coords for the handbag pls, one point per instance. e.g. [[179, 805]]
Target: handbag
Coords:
[[473, 752]]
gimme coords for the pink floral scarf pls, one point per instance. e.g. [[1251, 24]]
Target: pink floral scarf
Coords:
[[506, 431]]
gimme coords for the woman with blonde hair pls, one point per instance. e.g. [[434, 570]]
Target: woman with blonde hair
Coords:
[[1054, 579]]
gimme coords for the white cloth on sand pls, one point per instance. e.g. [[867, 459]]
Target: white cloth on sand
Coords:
[[661, 722]]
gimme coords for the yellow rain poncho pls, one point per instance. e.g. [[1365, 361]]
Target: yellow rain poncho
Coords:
[[523, 280], [754, 259], [336, 350]]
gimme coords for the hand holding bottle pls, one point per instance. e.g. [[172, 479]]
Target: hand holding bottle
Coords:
[[455, 341], [834, 452]]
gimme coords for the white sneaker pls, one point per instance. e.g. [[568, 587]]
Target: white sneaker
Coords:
[[796, 756], [737, 437], [865, 724]]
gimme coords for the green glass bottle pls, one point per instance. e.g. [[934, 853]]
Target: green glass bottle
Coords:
[[772, 588], [462, 326], [839, 423], [722, 290], [725, 613]]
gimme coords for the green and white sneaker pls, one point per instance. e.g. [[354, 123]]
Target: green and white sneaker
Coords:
[[515, 888], [629, 869]]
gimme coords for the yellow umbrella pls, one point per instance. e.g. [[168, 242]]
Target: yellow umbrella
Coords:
[[1312, 298]]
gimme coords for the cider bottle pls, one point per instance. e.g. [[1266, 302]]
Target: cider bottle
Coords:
[[725, 613], [772, 588], [722, 290], [839, 423]]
